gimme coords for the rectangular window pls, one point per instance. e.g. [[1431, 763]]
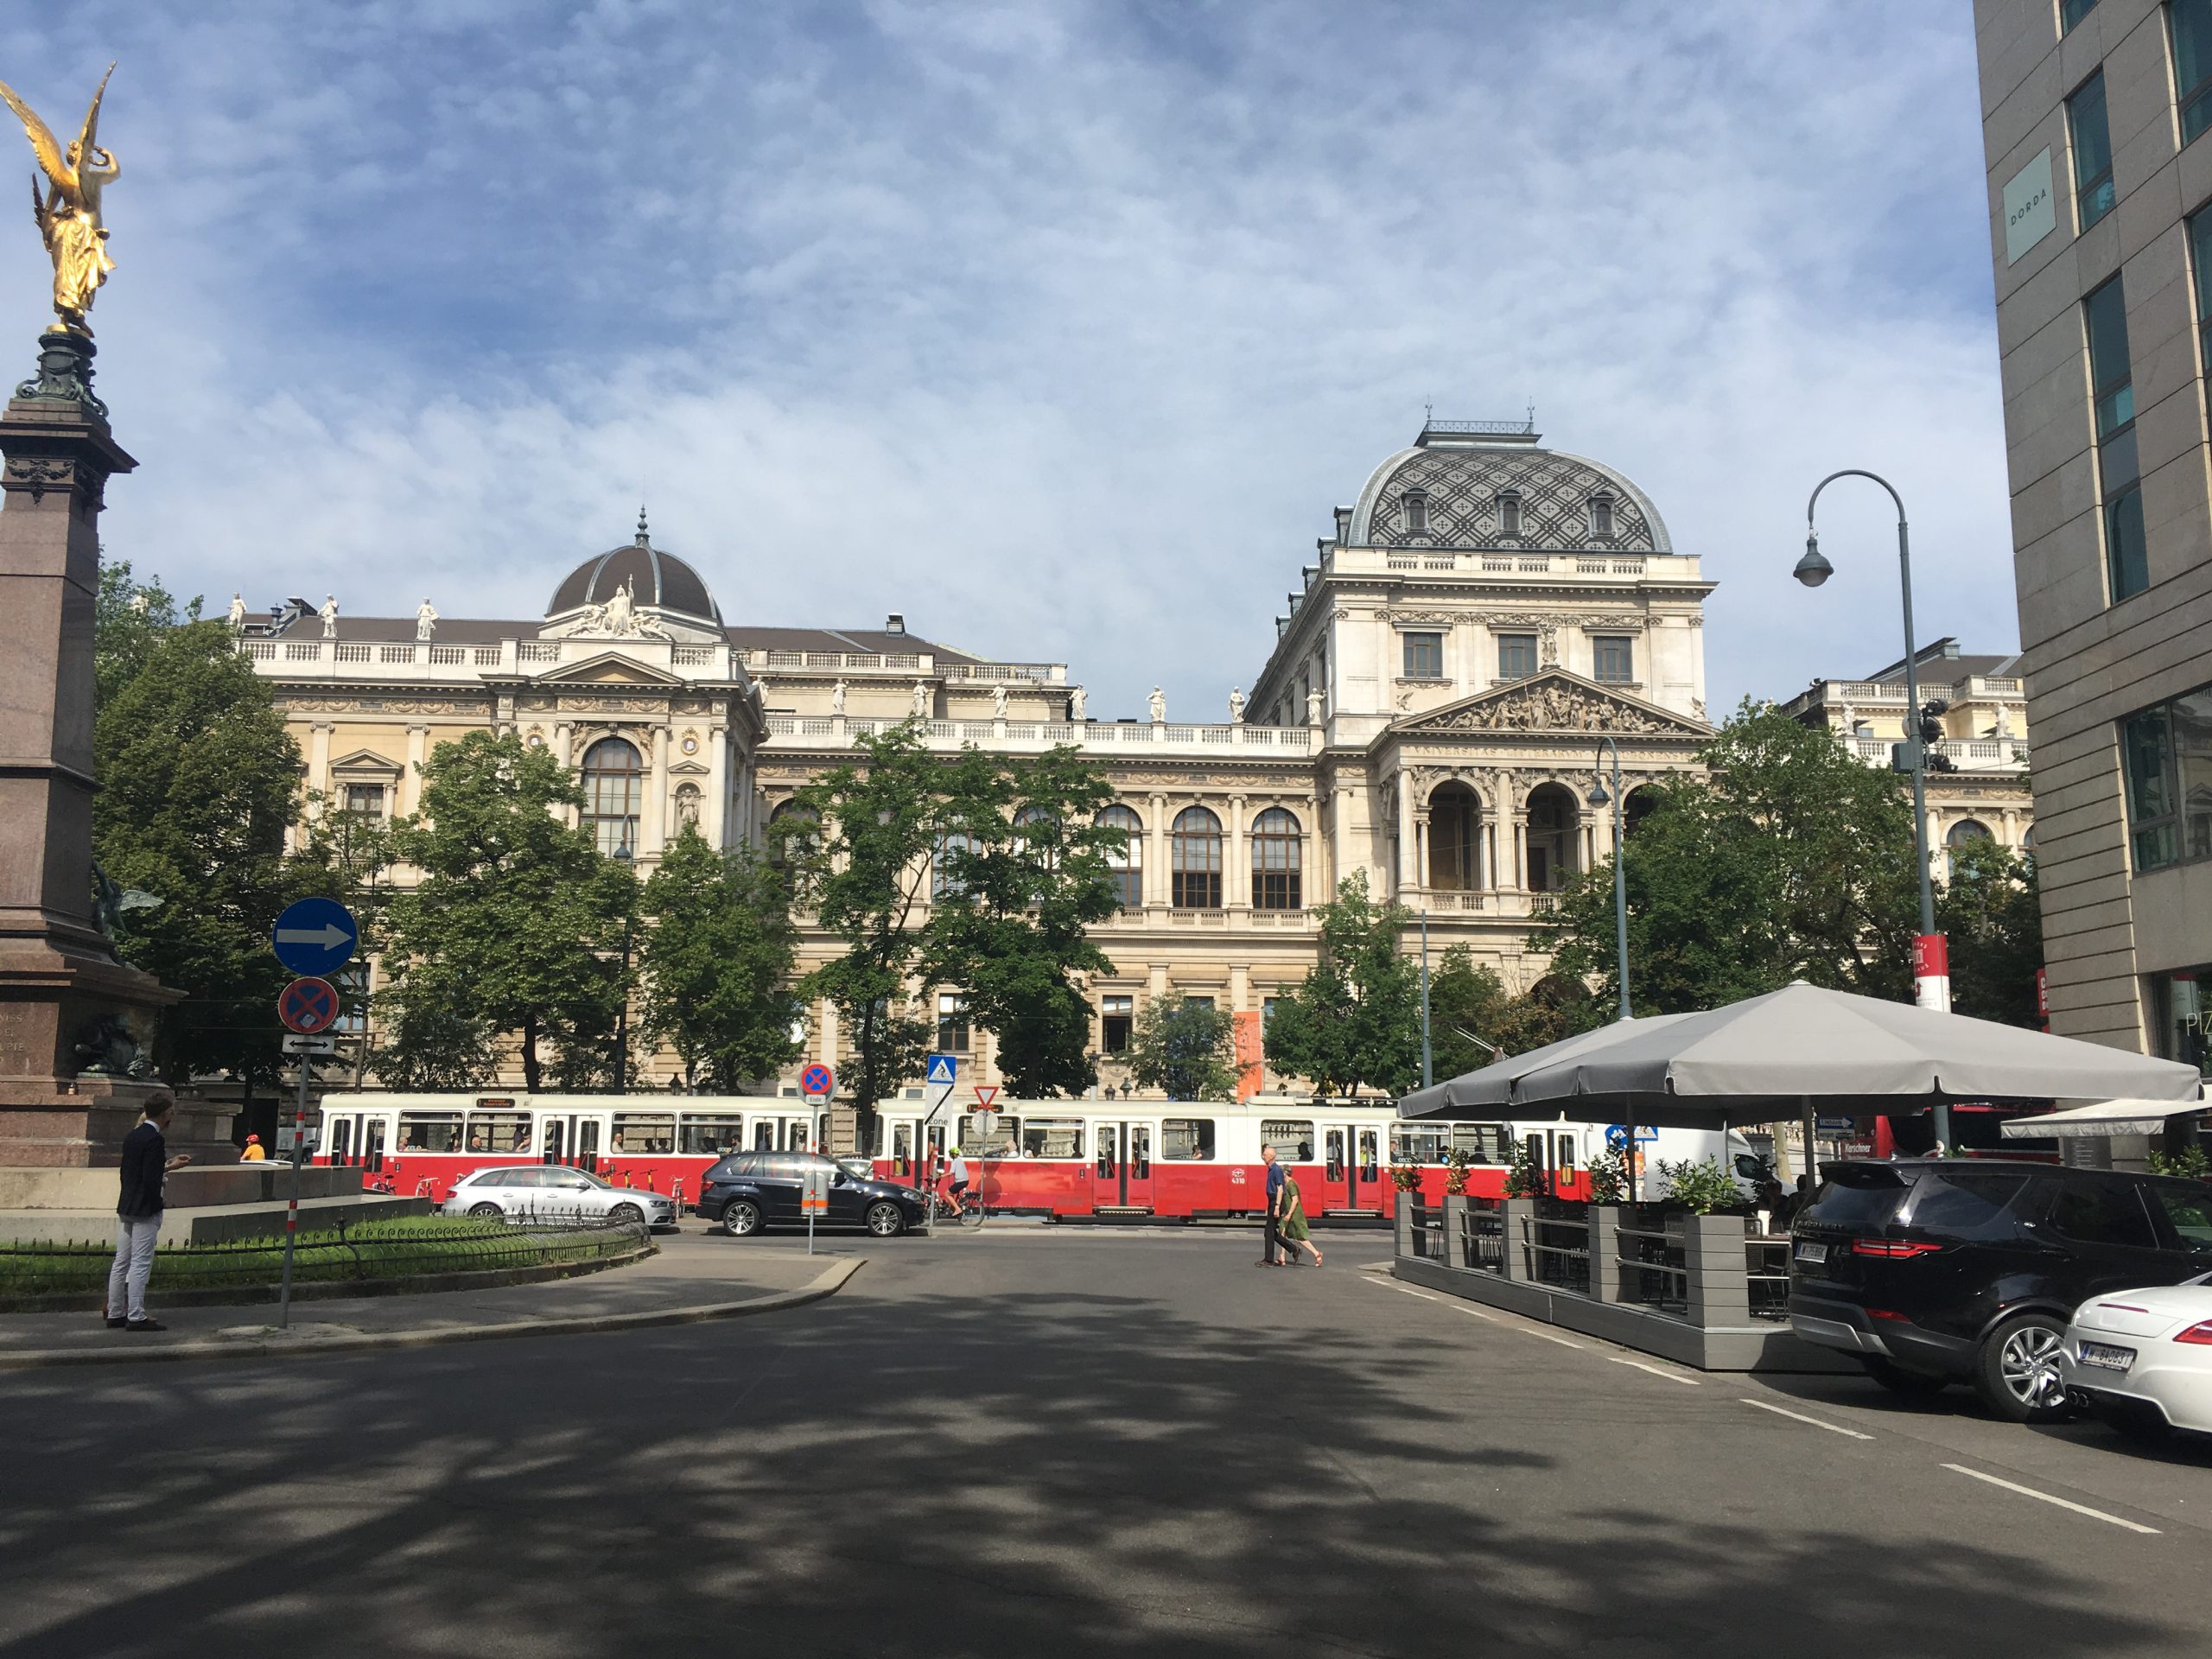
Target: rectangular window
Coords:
[[2091, 132], [2146, 750], [2111, 391], [2111, 384], [1051, 1137], [638, 1134], [1292, 1140], [1516, 656], [498, 1131], [1614, 655], [429, 1131], [1484, 1143], [365, 800], [1186, 1139], [1198, 1003], [705, 1137], [1424, 655], [1116, 1015], [2191, 21], [1417, 1146], [1004, 1140], [951, 1024], [2071, 12], [1268, 1008], [2199, 262]]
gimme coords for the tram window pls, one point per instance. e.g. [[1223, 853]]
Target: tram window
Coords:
[[1486, 1143], [1336, 1154], [638, 1134], [763, 1135], [902, 1142], [429, 1131], [1186, 1139], [498, 1131], [1292, 1140], [372, 1135], [1535, 1145], [1051, 1137], [1004, 1141], [1417, 1146], [705, 1137], [1566, 1145], [341, 1136]]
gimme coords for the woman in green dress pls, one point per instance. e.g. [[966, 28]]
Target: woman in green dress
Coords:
[[1295, 1233]]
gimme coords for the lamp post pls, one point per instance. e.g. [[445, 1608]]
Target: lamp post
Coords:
[[1931, 971], [1598, 797], [1428, 1059], [622, 1013]]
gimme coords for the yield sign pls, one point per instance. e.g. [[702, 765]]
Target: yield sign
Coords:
[[985, 1094]]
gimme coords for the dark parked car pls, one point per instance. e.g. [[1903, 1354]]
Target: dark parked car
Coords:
[[748, 1191], [1936, 1271]]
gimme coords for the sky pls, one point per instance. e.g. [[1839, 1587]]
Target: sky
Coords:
[[1057, 327]]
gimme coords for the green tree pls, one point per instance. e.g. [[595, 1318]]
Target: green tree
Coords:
[[1793, 862], [198, 786], [1022, 874], [1991, 911], [1184, 1050], [717, 964], [1355, 1021], [1465, 996], [515, 926], [859, 849], [129, 617]]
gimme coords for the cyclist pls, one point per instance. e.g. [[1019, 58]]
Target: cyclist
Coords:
[[957, 1174]]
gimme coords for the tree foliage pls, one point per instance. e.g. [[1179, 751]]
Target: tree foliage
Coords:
[[516, 926], [1355, 1021], [1793, 862], [1991, 910], [1185, 1049], [717, 964]]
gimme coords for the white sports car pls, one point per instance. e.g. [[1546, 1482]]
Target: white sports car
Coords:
[[2142, 1360]]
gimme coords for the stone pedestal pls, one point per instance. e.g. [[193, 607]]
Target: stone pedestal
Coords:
[[59, 979]]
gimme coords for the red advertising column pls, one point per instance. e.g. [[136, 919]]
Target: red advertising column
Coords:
[[1931, 972]]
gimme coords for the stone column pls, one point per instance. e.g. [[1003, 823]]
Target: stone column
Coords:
[[58, 975], [652, 827], [826, 1034], [319, 758], [1158, 889], [714, 814], [1236, 859], [411, 781], [1520, 851], [1405, 832], [1424, 846]]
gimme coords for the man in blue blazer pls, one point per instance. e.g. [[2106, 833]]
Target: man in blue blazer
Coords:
[[146, 1164]]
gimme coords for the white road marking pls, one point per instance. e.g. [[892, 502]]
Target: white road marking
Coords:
[[1832, 1428], [1672, 1376], [1458, 1306], [1548, 1337], [2046, 1498]]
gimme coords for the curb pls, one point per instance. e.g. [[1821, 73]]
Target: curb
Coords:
[[828, 1282]]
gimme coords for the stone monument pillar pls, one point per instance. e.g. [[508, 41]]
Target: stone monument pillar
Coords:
[[67, 1094]]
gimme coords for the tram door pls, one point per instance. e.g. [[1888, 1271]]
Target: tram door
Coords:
[[1122, 1177], [1556, 1154], [570, 1140], [1335, 1165], [356, 1138], [1363, 1175]]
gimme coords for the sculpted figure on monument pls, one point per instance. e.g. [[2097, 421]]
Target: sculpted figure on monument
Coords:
[[69, 215], [1076, 699], [1236, 705], [837, 698], [238, 612], [329, 615], [1157, 703], [426, 619], [998, 701], [921, 699]]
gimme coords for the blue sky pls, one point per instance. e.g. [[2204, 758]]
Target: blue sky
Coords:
[[1057, 327]]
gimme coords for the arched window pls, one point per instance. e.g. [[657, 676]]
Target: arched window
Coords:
[[1964, 833], [1508, 512], [1275, 846], [945, 880], [615, 784], [1126, 864], [1601, 517], [1416, 506], [1194, 860], [1037, 835], [794, 828], [1455, 830]]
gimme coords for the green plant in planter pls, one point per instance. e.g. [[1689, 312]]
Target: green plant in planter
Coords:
[[1406, 1177], [1699, 1188], [1525, 1179], [1609, 1177], [1455, 1171], [2189, 1163]]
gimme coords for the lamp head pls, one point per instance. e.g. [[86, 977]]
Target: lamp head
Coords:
[[1813, 569], [1598, 796]]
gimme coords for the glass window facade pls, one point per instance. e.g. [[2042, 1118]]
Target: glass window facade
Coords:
[[1275, 873], [2166, 753], [2091, 132], [2071, 12], [1194, 860], [614, 788], [1117, 1016], [1126, 864], [2191, 21], [2111, 391]]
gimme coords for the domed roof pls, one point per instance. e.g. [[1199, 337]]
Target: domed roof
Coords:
[[655, 579], [1460, 470]]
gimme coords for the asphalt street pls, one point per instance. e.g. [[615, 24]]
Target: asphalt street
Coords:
[[1058, 1441]]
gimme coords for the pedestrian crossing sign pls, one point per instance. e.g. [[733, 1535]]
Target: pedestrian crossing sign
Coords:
[[945, 1069]]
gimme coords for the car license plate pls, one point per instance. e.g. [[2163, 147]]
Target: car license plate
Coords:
[[2106, 1358], [1808, 1251]]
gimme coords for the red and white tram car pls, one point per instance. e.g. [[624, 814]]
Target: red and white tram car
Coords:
[[1070, 1159]]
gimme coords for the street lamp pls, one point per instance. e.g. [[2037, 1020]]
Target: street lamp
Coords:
[[622, 1013], [1598, 797], [1931, 972]]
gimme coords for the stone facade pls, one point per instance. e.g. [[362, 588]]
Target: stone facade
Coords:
[[1429, 715], [2112, 499]]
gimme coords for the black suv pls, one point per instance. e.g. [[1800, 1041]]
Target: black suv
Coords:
[[748, 1191], [1936, 1271]]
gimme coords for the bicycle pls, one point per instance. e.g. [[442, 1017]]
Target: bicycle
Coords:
[[970, 1214]]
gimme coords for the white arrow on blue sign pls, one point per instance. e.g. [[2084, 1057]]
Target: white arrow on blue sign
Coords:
[[945, 1069], [315, 935]]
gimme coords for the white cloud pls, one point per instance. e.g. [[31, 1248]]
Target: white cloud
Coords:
[[1057, 327]]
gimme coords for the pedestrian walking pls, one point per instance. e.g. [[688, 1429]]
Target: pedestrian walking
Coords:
[[1292, 1222], [1273, 1249], [146, 1164]]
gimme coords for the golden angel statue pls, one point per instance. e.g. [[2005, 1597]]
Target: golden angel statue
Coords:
[[68, 213]]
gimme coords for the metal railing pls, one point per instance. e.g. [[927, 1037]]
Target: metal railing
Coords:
[[1654, 1269], [1559, 1251], [1766, 1275], [1482, 1236]]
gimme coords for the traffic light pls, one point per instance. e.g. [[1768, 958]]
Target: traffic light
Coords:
[[1931, 735]]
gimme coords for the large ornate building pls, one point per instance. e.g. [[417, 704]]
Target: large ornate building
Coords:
[[1481, 616]]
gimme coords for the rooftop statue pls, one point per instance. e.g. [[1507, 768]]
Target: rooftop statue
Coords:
[[68, 212]]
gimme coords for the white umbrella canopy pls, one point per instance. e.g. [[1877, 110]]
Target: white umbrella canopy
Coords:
[[1492, 1085], [2102, 1117], [1803, 1048]]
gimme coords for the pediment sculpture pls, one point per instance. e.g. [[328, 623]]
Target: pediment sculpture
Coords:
[[617, 618], [1552, 706]]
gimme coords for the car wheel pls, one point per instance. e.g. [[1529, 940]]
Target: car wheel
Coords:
[[486, 1210], [741, 1219], [1899, 1379], [627, 1214], [2016, 1373], [884, 1221]]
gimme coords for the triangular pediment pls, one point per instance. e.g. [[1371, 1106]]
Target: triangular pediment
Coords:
[[610, 668], [366, 761], [1555, 700]]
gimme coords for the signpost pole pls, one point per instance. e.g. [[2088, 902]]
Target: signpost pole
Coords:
[[313, 937], [292, 1210]]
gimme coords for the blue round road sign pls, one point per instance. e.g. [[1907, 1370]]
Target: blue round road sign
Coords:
[[315, 935], [308, 1006], [816, 1080]]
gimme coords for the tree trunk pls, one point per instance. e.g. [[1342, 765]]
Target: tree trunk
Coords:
[[530, 1053]]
